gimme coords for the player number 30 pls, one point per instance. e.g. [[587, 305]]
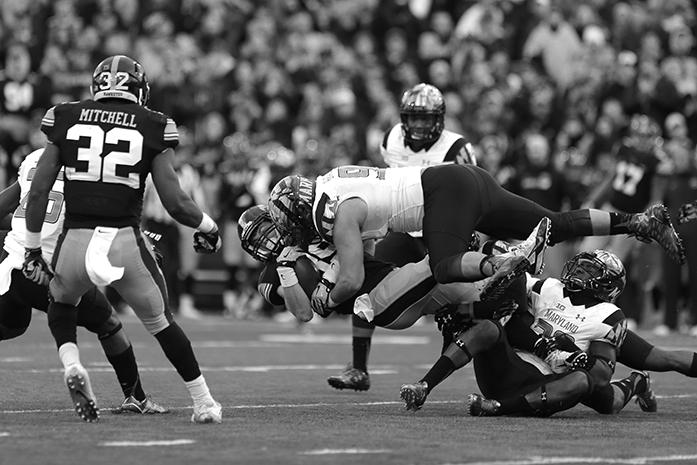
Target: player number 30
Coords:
[[103, 168]]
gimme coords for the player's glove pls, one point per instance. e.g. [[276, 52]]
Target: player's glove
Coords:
[[451, 321], [320, 298], [35, 267], [688, 212], [543, 346], [579, 360], [207, 242], [289, 255]]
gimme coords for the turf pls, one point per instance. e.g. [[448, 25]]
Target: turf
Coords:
[[278, 408]]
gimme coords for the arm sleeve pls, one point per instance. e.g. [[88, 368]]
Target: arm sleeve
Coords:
[[48, 124], [269, 283]]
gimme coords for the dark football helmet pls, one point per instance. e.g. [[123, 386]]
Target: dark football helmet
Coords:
[[290, 207], [422, 112], [259, 236], [600, 273], [120, 77]]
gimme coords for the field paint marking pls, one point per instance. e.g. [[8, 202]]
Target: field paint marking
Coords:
[[4, 434], [322, 404], [103, 368], [345, 451], [342, 339], [253, 407], [15, 359], [563, 460], [173, 442]]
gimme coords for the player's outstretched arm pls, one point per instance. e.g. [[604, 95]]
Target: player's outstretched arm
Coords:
[[9, 199], [181, 207]]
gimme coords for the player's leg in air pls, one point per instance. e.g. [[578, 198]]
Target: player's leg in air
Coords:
[[638, 354], [460, 199], [97, 316]]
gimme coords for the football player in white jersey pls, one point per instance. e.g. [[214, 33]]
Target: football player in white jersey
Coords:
[[566, 343], [419, 139], [448, 202], [18, 295]]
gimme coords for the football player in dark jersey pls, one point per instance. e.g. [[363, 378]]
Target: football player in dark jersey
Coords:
[[18, 295], [107, 146], [630, 188]]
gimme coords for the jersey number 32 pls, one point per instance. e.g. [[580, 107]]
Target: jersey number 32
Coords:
[[104, 168]]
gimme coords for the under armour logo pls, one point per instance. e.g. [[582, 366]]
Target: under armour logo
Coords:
[[579, 317]]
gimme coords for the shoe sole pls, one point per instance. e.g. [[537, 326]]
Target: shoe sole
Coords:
[[472, 400], [85, 407], [663, 217], [647, 402], [340, 385], [409, 398], [496, 287], [537, 255]]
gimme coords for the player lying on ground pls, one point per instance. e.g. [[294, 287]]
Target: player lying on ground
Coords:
[[108, 146], [582, 309], [354, 203], [18, 295]]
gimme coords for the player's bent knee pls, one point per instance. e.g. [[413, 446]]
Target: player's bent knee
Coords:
[[447, 270], [155, 324]]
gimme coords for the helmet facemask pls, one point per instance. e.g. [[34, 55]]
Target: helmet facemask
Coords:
[[259, 236], [422, 112], [290, 207], [598, 273]]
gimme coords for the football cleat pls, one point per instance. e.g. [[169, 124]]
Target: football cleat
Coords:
[[80, 389], [350, 378], [479, 406], [507, 271], [654, 224], [533, 248], [414, 395], [211, 412], [145, 407], [646, 398]]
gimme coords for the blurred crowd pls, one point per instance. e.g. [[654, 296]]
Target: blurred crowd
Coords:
[[263, 88]]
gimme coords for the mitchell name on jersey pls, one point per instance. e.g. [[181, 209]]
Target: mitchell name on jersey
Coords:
[[449, 148]]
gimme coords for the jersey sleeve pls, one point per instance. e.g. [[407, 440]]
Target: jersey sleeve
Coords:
[[48, 124], [614, 329], [461, 153], [269, 283], [170, 137], [533, 286]]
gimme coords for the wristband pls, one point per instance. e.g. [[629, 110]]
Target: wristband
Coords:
[[207, 224], [287, 276], [32, 240]]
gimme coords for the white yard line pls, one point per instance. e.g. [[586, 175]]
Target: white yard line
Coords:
[[583, 460], [345, 451], [171, 442]]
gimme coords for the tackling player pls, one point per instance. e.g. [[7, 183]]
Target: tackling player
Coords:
[[18, 295], [420, 139], [107, 146], [354, 203]]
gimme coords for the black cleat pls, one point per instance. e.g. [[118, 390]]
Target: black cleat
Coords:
[[479, 406], [654, 224], [414, 395], [506, 273]]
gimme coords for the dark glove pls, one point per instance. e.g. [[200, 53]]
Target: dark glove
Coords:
[[35, 267], [207, 242], [579, 360], [543, 346], [688, 212]]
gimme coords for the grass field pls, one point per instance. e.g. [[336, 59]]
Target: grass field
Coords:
[[278, 409]]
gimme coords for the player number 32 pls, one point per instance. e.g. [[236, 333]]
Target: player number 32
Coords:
[[104, 168]]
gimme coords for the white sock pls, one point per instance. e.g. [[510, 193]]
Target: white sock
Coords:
[[198, 389], [69, 354]]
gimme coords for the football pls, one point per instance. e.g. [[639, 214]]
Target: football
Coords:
[[308, 276]]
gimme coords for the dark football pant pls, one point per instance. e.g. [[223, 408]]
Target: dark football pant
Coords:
[[459, 199], [400, 248], [93, 312]]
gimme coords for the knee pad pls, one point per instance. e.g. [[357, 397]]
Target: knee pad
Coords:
[[156, 323]]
